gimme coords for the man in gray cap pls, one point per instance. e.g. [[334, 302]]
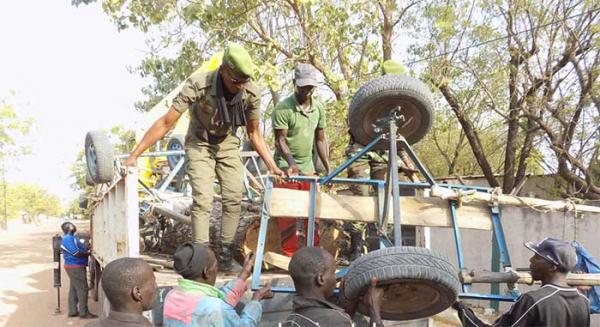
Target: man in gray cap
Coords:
[[298, 122], [554, 304]]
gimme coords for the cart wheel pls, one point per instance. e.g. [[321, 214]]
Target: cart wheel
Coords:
[[99, 157], [418, 282], [176, 142], [379, 96]]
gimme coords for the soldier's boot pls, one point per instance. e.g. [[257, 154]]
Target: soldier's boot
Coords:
[[225, 259]]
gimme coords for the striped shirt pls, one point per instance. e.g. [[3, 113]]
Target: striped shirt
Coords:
[[550, 305]]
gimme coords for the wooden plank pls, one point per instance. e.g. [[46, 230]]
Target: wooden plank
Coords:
[[519, 277], [431, 212], [539, 204], [278, 260]]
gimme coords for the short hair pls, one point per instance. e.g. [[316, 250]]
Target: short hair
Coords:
[[119, 277], [306, 264]]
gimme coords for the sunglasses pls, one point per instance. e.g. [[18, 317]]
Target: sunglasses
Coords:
[[233, 79]]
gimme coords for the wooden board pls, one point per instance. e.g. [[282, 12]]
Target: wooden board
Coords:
[[432, 212]]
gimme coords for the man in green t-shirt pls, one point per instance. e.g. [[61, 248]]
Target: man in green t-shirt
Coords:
[[298, 122]]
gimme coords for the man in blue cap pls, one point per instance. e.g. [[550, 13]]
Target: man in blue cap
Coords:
[[220, 102], [553, 304]]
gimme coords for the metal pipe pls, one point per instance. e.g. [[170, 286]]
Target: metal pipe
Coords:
[[262, 236], [393, 173], [351, 160], [310, 241], [172, 214]]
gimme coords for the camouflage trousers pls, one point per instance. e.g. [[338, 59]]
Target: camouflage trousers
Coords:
[[223, 162]]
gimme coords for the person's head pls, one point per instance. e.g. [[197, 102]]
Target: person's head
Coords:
[[551, 257], [68, 228], [313, 271], [391, 67], [129, 285], [305, 81], [236, 69], [196, 262]]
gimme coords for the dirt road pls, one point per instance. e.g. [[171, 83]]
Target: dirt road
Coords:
[[27, 295]]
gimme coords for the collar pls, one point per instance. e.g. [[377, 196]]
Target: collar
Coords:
[[298, 107], [127, 317], [301, 302], [190, 286]]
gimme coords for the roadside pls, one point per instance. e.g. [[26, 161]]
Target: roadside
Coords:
[[27, 295]]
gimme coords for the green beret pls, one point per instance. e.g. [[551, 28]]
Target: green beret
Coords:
[[236, 57], [392, 67]]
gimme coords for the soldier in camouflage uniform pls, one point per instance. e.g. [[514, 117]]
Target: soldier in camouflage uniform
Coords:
[[219, 102]]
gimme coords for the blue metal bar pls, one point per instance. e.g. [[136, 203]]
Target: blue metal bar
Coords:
[[499, 234], [416, 161], [457, 241], [381, 206], [492, 297], [172, 174], [351, 160], [393, 181], [310, 240], [154, 154], [262, 235], [343, 180]]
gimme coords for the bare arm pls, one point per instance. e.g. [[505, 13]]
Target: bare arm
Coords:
[[160, 127], [281, 144], [259, 145], [322, 148]]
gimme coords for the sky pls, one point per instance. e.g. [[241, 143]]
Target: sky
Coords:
[[68, 68]]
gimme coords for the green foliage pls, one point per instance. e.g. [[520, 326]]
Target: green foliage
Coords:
[[30, 199], [12, 126]]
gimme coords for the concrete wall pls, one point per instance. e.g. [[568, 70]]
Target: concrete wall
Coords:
[[520, 225]]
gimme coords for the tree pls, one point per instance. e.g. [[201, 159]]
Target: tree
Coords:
[[536, 79], [11, 128]]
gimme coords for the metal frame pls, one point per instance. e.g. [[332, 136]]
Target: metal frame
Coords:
[[384, 190]]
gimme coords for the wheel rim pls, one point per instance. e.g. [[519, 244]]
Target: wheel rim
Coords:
[[405, 299], [91, 158], [174, 159]]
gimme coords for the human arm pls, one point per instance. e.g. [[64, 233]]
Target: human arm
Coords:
[[281, 144], [259, 145], [372, 300], [156, 132], [521, 314], [321, 142]]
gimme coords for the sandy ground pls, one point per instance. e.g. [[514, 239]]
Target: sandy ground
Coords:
[[27, 295]]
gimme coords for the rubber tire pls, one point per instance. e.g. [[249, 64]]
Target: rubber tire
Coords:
[[419, 282], [376, 98], [88, 179], [176, 142], [100, 163]]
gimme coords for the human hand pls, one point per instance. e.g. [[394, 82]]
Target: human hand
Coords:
[[263, 293], [248, 265], [373, 296], [292, 170], [131, 161], [278, 174]]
